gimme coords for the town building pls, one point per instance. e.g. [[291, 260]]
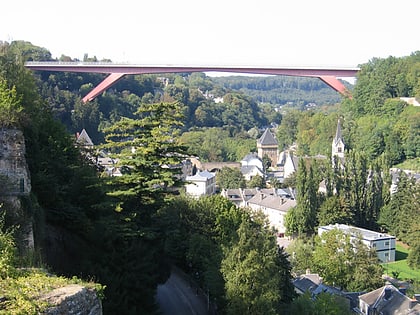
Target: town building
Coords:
[[201, 184], [251, 166], [387, 300], [267, 145], [275, 207], [384, 244]]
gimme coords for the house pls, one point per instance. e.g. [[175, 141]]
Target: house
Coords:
[[274, 207], [267, 145], [200, 184], [251, 171], [235, 195], [83, 139], [252, 159], [387, 300], [312, 283], [307, 282], [290, 164], [384, 244]]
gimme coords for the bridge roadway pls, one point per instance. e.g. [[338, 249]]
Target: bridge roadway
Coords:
[[117, 70]]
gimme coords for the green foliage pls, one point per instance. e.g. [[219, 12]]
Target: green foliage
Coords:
[[11, 109], [334, 210], [21, 289], [216, 144], [146, 149], [7, 250], [413, 259], [251, 270], [22, 294], [397, 216], [282, 89], [346, 263], [323, 304], [229, 177], [302, 219], [301, 251], [256, 181]]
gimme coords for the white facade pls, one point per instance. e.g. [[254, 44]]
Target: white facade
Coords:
[[252, 159], [384, 244], [274, 207], [202, 183]]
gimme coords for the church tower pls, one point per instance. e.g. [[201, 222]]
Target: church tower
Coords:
[[338, 143], [268, 145]]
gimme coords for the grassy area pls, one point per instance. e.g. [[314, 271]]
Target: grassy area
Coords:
[[413, 164], [400, 266]]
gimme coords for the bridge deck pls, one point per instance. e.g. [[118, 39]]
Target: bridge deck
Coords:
[[116, 71]]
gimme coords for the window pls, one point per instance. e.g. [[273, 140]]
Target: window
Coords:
[[387, 243], [386, 254]]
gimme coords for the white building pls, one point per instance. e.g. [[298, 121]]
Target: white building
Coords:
[[200, 184], [384, 244], [274, 207]]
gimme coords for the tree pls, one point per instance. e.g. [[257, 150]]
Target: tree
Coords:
[[147, 150], [323, 304], [300, 252], [256, 181], [334, 210], [302, 219], [229, 177], [11, 109], [346, 262], [252, 271]]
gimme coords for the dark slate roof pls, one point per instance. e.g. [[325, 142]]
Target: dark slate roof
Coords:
[[303, 284], [338, 136], [250, 169], [389, 300], [251, 156], [84, 139], [267, 138]]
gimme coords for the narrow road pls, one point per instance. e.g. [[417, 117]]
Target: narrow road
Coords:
[[177, 297]]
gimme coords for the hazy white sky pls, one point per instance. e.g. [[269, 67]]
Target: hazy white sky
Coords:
[[244, 32]]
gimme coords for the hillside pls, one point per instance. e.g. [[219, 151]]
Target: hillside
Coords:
[[282, 90]]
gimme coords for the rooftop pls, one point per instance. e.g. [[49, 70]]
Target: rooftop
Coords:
[[354, 231]]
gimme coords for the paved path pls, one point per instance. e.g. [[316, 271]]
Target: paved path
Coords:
[[177, 297]]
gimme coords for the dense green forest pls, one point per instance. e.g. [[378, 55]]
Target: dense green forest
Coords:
[[125, 232], [283, 90]]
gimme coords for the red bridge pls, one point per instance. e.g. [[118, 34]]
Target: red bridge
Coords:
[[117, 71]]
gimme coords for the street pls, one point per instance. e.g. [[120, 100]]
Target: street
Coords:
[[178, 296]]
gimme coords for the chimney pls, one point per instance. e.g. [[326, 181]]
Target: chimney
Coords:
[[412, 304], [388, 293]]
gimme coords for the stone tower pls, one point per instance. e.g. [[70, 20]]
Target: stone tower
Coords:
[[268, 145], [338, 144]]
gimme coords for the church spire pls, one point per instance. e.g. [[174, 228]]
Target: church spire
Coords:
[[338, 143], [338, 136]]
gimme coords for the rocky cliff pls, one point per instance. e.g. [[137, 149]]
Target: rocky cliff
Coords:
[[15, 184]]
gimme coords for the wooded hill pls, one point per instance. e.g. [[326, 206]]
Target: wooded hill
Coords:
[[283, 90], [125, 232]]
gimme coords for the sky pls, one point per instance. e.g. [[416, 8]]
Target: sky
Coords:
[[322, 33]]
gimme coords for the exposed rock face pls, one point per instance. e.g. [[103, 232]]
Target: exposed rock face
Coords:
[[15, 184], [13, 167], [73, 300]]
